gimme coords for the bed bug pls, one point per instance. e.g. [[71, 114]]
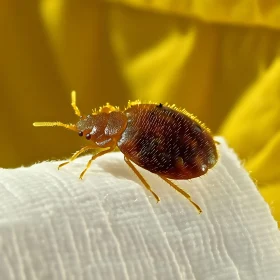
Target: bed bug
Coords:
[[160, 138]]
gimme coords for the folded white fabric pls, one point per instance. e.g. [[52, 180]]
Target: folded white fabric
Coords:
[[107, 226]]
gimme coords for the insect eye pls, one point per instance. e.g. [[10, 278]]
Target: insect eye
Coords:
[[81, 133], [88, 136]]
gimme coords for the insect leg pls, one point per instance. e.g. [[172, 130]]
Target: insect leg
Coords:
[[76, 155], [141, 178], [73, 103], [94, 157], [185, 194]]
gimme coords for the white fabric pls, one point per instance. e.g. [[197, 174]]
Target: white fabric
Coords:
[[107, 226]]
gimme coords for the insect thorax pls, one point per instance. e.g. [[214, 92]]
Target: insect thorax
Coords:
[[102, 128]]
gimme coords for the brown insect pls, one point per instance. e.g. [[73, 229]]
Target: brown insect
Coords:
[[160, 138]]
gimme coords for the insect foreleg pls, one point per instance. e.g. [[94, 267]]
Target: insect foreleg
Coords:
[[84, 149], [101, 153]]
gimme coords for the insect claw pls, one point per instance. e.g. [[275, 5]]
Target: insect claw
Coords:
[[62, 164], [156, 196], [83, 173]]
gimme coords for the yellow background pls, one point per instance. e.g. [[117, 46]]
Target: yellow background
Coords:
[[218, 59]]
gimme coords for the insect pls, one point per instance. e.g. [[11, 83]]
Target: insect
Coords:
[[159, 138]]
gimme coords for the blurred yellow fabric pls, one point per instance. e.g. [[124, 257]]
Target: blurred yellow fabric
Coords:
[[218, 59]]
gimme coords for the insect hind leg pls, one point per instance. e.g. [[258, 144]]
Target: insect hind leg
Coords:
[[185, 194], [137, 173]]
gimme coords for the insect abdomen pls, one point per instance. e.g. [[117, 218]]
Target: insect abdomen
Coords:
[[167, 142]]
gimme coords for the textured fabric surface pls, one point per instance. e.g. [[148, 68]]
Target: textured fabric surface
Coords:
[[107, 226]]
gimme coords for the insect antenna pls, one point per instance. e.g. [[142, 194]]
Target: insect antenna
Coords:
[[73, 103], [67, 126]]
